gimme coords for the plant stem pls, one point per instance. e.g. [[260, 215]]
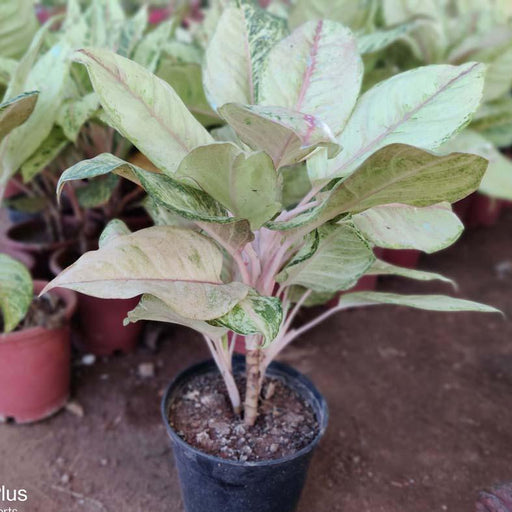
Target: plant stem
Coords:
[[254, 380], [224, 366]]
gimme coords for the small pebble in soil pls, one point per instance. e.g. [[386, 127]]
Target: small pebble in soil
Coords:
[[146, 370], [202, 415], [75, 408]]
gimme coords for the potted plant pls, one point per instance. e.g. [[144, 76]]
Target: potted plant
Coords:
[[35, 347], [228, 256], [65, 127]]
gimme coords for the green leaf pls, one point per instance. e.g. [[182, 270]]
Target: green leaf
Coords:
[[246, 184], [132, 32], [16, 291], [423, 107], [381, 268], [44, 155], [151, 308], [380, 39], [325, 58], [356, 15], [341, 258], [187, 201], [18, 25], [396, 174], [97, 192], [114, 229], [256, 314], [186, 80], [27, 138], [428, 302], [497, 181], [287, 136], [180, 267], [149, 50], [494, 122], [74, 112], [398, 226], [143, 108], [16, 111], [7, 70], [236, 54]]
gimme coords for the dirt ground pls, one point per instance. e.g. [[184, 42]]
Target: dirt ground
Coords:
[[420, 402]]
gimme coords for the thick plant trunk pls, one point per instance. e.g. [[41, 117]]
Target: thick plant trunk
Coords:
[[252, 394]]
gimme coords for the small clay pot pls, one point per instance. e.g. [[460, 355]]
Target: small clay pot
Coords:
[[210, 483], [31, 237], [100, 320], [35, 367]]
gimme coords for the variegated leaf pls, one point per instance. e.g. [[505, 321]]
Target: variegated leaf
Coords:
[[27, 138], [236, 53], [381, 268], [180, 267], [399, 226], [256, 314], [45, 154], [18, 25], [396, 174], [186, 201], [428, 302], [325, 66], [497, 181], [246, 184], [151, 308], [287, 136], [423, 107], [341, 258], [16, 111], [74, 112], [16, 291], [143, 108]]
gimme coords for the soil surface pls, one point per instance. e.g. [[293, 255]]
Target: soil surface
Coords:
[[420, 407], [48, 311], [201, 414]]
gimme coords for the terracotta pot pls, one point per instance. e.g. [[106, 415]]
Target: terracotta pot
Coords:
[[100, 320], [407, 258], [31, 237], [484, 211], [35, 367]]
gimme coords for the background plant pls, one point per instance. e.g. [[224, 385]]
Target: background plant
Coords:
[[232, 251]]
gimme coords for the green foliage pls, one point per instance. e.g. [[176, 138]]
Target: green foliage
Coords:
[[16, 291], [286, 202]]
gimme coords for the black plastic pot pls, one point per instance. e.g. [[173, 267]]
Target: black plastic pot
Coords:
[[211, 483]]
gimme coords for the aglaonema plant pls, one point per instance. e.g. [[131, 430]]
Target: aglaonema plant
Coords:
[[66, 125], [232, 251], [396, 36]]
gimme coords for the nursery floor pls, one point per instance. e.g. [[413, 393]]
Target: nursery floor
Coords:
[[421, 414]]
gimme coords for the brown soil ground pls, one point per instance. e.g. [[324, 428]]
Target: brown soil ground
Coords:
[[421, 415]]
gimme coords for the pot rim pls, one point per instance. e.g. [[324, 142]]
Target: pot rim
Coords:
[[282, 369], [70, 300]]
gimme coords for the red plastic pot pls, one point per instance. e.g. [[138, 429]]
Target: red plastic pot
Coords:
[[100, 320], [35, 367], [484, 211]]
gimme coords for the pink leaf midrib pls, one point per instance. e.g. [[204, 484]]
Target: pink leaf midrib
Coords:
[[310, 67], [402, 120], [153, 113]]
